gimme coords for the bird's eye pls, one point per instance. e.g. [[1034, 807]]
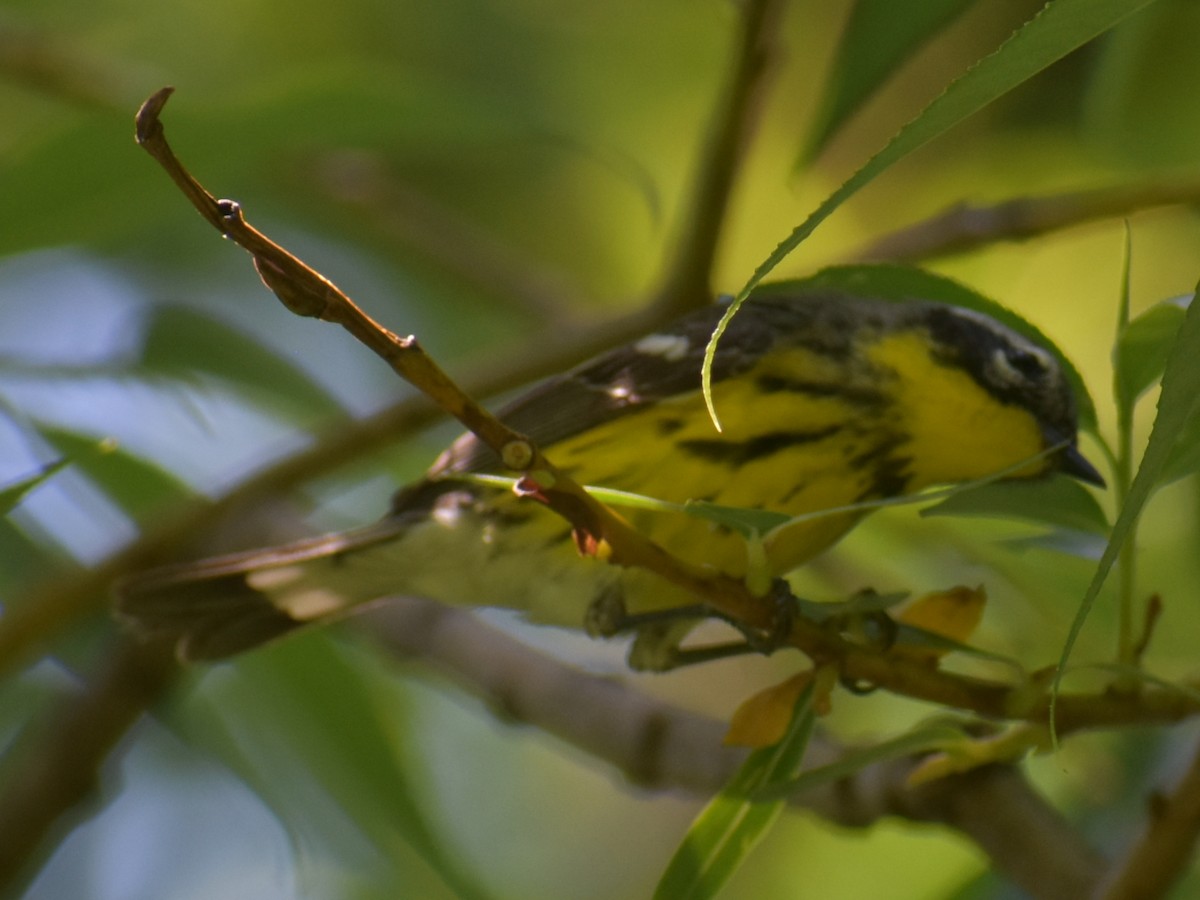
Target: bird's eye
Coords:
[[1030, 363]]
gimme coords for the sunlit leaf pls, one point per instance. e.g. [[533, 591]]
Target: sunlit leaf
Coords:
[[953, 614], [763, 718]]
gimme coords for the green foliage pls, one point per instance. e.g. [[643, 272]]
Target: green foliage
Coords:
[[445, 163], [184, 343], [137, 486], [880, 37], [323, 738], [736, 819], [12, 494]]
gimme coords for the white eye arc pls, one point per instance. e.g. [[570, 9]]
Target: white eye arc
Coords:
[[1020, 365]]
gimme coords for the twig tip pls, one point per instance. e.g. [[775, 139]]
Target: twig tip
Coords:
[[147, 115]]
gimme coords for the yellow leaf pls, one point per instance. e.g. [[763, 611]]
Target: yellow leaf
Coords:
[[762, 718], [952, 614], [963, 756]]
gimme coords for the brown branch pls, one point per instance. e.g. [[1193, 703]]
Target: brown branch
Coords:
[[1023, 835], [35, 618], [1164, 851], [663, 747], [686, 282], [306, 292], [56, 766], [860, 663], [60, 780], [963, 227]]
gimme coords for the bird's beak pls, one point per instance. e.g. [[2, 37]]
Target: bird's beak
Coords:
[[1075, 464]]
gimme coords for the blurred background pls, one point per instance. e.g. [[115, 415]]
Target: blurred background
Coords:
[[481, 174]]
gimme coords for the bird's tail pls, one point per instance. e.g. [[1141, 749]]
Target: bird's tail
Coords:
[[220, 606]]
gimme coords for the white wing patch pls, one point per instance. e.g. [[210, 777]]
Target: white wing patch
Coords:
[[671, 347]]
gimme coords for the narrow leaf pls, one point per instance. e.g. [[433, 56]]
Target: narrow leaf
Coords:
[[880, 36], [746, 522], [922, 739], [1059, 502], [138, 486], [1176, 405], [1142, 349], [12, 494], [728, 828], [181, 341]]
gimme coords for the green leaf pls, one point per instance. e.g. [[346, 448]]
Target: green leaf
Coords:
[[1177, 404], [1185, 455], [728, 828], [182, 342], [746, 522], [11, 495], [302, 724], [880, 36], [138, 486], [1141, 352], [1059, 502], [1060, 27], [920, 740]]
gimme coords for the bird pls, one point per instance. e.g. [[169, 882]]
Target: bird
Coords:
[[827, 400]]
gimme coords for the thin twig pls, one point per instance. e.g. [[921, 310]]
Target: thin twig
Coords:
[[306, 292], [32, 621], [662, 747], [963, 227], [46, 785]]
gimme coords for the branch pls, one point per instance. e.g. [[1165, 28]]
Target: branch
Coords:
[[32, 621], [40, 798], [56, 766], [663, 747], [686, 281], [963, 227], [305, 292], [1161, 855]]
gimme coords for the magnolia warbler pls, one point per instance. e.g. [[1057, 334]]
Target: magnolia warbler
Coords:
[[825, 400]]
